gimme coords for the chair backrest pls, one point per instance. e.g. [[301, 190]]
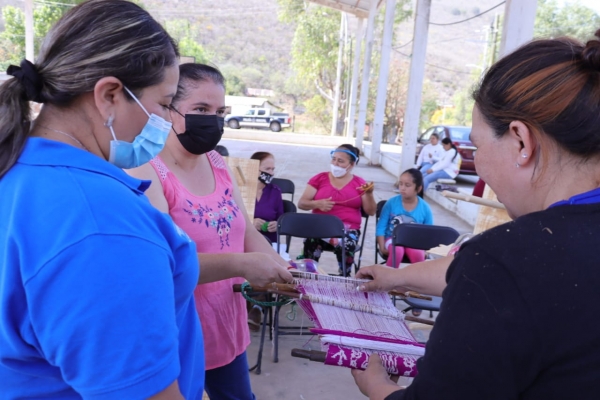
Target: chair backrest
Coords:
[[379, 209], [307, 225], [288, 206], [423, 237], [362, 240], [286, 186]]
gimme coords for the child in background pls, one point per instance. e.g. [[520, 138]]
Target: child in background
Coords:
[[402, 209]]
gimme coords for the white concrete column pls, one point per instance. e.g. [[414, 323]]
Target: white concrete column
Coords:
[[355, 72], [384, 68], [519, 17], [29, 30], [338, 78], [412, 115], [366, 76]]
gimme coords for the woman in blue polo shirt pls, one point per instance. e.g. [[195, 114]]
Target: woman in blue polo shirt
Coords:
[[95, 284]]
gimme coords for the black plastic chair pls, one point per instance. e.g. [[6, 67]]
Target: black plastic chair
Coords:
[[301, 225], [286, 186], [359, 250], [377, 215], [288, 207], [422, 237]]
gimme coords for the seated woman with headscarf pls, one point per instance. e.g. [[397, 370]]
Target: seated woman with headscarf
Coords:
[[341, 193]]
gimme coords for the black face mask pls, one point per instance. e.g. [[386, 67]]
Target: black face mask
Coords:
[[265, 177], [202, 132]]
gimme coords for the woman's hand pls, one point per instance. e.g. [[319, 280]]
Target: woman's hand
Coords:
[[324, 205], [272, 226], [383, 278], [429, 171], [261, 269], [374, 382], [258, 223], [368, 187]]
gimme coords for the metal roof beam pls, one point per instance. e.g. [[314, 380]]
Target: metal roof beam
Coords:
[[345, 7]]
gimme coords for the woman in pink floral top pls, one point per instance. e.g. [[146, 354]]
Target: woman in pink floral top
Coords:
[[192, 183]]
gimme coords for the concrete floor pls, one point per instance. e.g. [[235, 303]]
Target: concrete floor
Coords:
[[293, 378]]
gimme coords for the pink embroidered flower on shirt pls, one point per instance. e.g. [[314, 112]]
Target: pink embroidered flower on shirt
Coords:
[[219, 219]]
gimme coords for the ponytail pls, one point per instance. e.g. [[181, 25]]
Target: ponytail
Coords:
[[15, 118], [448, 141]]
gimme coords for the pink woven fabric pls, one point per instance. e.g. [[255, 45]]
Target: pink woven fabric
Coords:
[[216, 224], [350, 357]]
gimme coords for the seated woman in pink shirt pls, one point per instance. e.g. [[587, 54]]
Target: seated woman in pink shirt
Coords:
[[338, 192]]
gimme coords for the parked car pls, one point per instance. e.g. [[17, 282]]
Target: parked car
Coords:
[[258, 118], [459, 135]]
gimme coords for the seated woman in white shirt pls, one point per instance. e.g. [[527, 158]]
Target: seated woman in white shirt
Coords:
[[446, 168], [431, 153]]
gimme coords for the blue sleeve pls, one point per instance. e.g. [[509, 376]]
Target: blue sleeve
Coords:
[[384, 218], [103, 311]]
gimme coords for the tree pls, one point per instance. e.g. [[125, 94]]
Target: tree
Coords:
[[185, 33], [316, 44], [13, 37], [555, 19]]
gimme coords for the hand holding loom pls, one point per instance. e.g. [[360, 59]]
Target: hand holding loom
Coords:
[[374, 382], [262, 269], [423, 277]]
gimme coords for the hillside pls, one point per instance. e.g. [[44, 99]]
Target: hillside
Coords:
[[248, 38]]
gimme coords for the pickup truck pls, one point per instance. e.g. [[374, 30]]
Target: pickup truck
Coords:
[[258, 118]]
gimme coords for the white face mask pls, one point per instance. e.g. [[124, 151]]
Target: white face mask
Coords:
[[338, 172]]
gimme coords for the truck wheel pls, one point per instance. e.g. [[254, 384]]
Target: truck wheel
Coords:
[[234, 124], [275, 126]]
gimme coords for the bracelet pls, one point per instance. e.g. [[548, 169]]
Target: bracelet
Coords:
[[264, 227]]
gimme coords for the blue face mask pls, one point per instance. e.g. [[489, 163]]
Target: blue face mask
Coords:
[[144, 147]]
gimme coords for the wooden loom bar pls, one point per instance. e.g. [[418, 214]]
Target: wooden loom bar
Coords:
[[473, 199], [312, 355], [288, 287]]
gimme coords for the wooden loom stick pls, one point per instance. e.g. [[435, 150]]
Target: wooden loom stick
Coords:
[[473, 199], [288, 287], [312, 355]]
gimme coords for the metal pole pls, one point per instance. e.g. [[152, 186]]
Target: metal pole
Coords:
[[384, 68], [29, 30], [519, 17], [364, 87], [415, 86], [338, 78], [355, 72]]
